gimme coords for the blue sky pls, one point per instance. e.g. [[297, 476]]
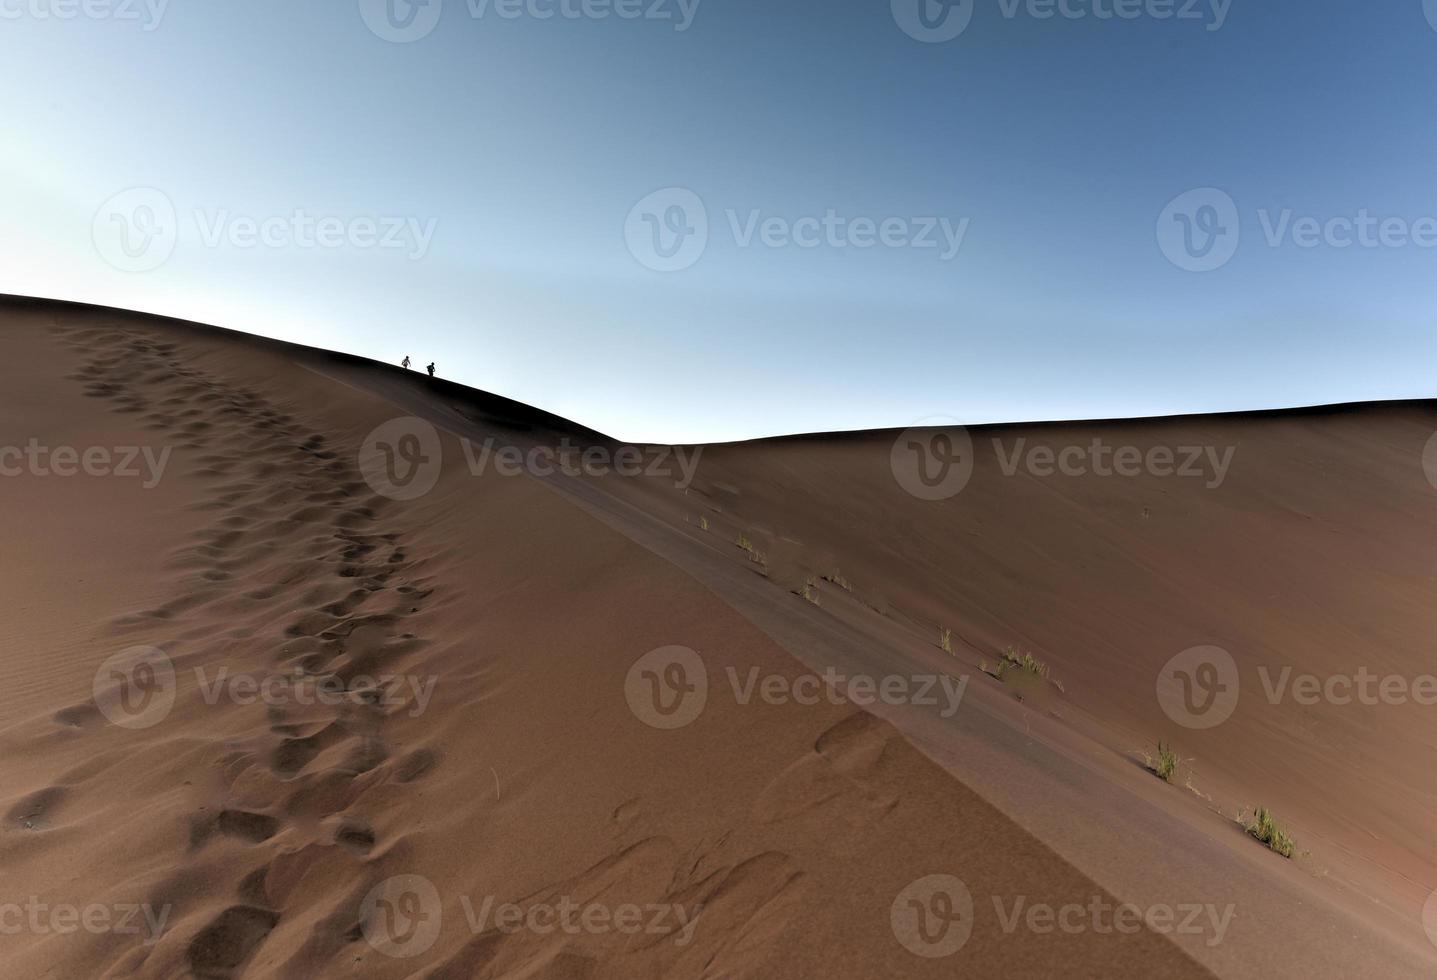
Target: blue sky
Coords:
[[490, 192]]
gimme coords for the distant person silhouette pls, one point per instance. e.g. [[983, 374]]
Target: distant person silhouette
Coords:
[[405, 363], [431, 369]]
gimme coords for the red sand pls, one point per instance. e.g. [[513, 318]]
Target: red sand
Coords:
[[510, 762]]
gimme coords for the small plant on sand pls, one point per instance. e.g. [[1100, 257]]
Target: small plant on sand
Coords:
[[754, 555], [703, 523], [945, 639], [810, 590], [1264, 827], [1165, 766], [1026, 662], [837, 579]]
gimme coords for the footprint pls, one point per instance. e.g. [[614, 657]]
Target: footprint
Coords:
[[33, 812], [416, 765], [220, 948], [253, 827], [356, 836]]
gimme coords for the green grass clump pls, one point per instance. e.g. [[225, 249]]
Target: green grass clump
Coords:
[[945, 639], [1165, 766], [1265, 828], [754, 555], [1026, 663]]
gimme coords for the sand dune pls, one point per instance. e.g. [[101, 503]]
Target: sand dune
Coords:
[[301, 682]]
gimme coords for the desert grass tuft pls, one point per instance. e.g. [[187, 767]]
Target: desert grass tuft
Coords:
[[810, 590], [1025, 662], [1165, 766], [1264, 827]]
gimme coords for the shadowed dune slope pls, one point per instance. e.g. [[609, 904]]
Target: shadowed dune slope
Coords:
[[298, 721]]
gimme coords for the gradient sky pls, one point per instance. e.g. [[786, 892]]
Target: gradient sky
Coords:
[[528, 140]]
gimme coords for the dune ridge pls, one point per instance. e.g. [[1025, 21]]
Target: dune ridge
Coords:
[[477, 740]]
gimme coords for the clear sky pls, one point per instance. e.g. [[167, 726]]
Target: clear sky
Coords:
[[728, 218]]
